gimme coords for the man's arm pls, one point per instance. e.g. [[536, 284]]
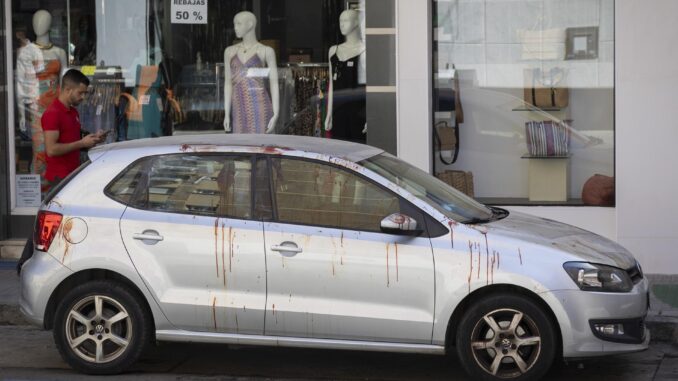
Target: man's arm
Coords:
[[54, 148]]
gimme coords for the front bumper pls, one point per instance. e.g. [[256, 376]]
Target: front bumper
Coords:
[[40, 276], [576, 309]]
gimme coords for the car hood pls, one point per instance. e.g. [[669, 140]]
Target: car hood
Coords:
[[578, 242]]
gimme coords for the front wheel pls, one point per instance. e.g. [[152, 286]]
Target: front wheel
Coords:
[[506, 337], [101, 328]]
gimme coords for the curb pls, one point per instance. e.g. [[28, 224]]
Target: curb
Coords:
[[10, 315]]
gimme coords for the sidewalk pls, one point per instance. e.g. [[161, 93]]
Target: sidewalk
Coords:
[[662, 318]]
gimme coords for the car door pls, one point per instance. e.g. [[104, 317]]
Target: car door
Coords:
[[194, 240], [331, 272]]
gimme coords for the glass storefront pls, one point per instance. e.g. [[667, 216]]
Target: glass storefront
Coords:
[[523, 99], [173, 67]]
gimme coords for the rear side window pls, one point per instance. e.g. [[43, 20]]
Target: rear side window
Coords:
[[212, 185], [123, 187]]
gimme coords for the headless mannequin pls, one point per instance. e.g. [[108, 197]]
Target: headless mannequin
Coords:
[[244, 24], [47, 74], [353, 46]]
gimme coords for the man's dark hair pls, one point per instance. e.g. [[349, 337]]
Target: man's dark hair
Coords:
[[73, 78]]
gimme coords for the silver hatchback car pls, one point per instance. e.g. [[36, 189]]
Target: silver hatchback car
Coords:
[[305, 242]]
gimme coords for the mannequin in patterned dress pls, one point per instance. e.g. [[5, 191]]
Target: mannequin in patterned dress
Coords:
[[248, 106], [48, 63]]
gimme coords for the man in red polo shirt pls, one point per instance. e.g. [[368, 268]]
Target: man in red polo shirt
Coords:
[[61, 124]]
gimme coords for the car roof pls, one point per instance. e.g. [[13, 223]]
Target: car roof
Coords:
[[265, 142]]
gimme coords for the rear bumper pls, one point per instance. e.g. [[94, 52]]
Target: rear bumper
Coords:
[[40, 276]]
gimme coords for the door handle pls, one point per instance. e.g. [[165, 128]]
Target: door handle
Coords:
[[148, 235], [287, 247]]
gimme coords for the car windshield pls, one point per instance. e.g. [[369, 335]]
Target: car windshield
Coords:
[[449, 201]]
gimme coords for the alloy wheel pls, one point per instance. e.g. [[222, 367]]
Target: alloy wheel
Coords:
[[98, 329], [506, 343]]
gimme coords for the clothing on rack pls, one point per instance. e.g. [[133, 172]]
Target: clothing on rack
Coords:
[[98, 110], [310, 106]]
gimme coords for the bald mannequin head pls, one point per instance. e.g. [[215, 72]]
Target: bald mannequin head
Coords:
[[243, 23], [349, 20], [42, 21]]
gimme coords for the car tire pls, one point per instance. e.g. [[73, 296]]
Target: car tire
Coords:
[[506, 337], [101, 327]]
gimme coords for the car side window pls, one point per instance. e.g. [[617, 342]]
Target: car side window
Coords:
[[313, 193], [212, 185]]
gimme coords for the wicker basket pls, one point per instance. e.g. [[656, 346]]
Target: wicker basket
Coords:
[[460, 180]]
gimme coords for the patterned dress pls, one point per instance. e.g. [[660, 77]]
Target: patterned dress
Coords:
[[251, 107]]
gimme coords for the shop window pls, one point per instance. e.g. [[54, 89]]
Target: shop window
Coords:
[[157, 68], [312, 193], [524, 99]]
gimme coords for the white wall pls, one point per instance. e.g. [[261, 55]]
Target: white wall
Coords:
[[413, 82], [647, 131]]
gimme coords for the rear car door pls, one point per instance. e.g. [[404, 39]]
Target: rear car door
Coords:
[[192, 236], [331, 272]]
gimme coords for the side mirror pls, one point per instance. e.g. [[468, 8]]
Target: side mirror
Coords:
[[400, 224]]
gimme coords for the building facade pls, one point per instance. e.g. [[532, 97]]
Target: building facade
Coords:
[[534, 98]]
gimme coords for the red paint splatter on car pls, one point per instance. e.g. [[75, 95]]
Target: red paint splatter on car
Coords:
[[223, 262], [231, 237], [216, 244], [388, 280], [452, 225], [397, 270], [66, 234]]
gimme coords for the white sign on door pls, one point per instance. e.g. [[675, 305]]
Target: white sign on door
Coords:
[[189, 11], [28, 191]]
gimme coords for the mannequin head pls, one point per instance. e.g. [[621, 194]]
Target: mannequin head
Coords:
[[42, 21], [243, 23], [349, 21]]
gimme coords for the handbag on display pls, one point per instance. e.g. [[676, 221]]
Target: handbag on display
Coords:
[[547, 138], [546, 88]]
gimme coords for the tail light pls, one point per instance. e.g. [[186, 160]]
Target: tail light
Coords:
[[46, 228]]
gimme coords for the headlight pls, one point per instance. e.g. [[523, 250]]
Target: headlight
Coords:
[[593, 277]]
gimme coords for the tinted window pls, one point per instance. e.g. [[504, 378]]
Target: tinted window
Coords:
[[318, 194]]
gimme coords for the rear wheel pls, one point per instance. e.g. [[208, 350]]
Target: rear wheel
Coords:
[[506, 337], [101, 328]]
